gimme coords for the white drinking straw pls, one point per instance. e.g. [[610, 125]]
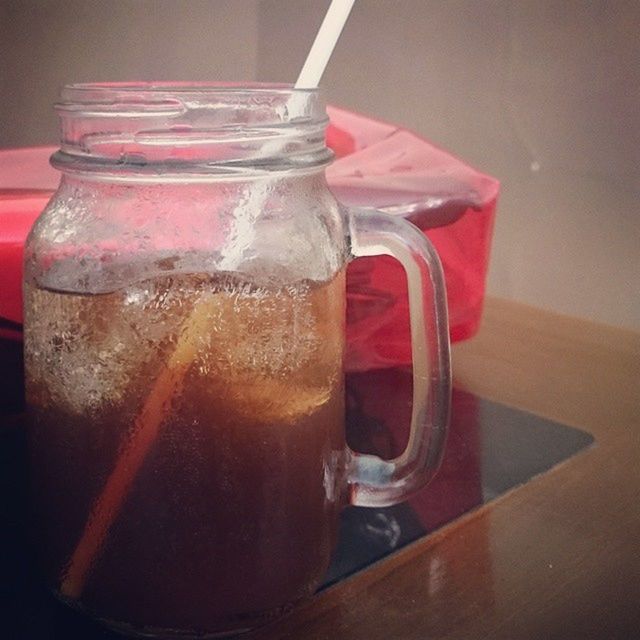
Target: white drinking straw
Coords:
[[324, 44], [242, 228]]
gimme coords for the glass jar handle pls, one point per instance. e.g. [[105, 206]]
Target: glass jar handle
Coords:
[[375, 482]]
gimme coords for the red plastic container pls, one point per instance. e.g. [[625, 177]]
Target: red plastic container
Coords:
[[26, 184], [383, 166], [378, 165]]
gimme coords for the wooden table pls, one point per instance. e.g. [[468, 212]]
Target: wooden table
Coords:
[[557, 558]]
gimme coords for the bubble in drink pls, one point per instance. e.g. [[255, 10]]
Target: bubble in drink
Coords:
[[209, 526]]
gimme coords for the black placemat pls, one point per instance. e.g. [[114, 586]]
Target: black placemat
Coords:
[[491, 448]]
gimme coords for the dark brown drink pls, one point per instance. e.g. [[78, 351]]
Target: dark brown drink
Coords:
[[187, 440]]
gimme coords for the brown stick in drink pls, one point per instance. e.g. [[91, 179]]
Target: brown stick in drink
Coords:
[[145, 430]]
